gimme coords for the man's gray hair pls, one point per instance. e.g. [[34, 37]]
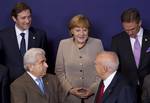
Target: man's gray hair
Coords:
[[112, 62], [30, 56]]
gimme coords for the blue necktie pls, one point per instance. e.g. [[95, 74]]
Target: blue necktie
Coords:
[[22, 44], [40, 84]]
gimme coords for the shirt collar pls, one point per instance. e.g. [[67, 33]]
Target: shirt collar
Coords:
[[32, 76], [108, 80], [140, 33]]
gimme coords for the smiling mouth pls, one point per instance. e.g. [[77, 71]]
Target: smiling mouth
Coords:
[[82, 37]]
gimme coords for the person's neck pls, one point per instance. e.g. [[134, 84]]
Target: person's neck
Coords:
[[79, 44], [20, 28]]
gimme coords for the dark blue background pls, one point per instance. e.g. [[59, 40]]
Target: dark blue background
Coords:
[[53, 17]]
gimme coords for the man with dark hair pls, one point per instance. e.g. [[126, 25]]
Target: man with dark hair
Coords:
[[16, 40], [133, 48], [130, 15], [19, 8]]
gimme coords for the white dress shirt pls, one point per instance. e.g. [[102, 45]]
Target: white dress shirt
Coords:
[[108, 80], [33, 77], [19, 37], [139, 36]]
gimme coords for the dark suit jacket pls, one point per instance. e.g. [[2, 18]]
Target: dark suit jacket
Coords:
[[10, 55], [122, 46], [25, 90], [118, 91], [4, 85], [146, 90]]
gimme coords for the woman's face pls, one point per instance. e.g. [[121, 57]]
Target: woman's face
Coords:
[[80, 34]]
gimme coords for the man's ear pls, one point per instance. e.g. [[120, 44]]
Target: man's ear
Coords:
[[14, 18], [140, 23], [105, 69], [30, 67]]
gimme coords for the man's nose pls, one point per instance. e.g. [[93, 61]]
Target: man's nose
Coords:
[[46, 65], [27, 20]]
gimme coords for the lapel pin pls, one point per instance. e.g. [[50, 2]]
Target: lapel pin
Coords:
[[146, 39], [47, 82], [33, 37]]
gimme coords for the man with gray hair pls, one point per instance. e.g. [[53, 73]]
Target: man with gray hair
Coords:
[[113, 87], [35, 86]]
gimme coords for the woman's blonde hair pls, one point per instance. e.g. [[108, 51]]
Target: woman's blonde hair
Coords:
[[79, 21]]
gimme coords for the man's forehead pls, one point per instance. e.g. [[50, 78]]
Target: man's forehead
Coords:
[[24, 13], [41, 56]]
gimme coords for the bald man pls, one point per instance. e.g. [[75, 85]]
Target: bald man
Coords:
[[116, 89]]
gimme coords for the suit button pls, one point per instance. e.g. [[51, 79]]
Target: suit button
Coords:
[[81, 64], [82, 78], [81, 70], [80, 56]]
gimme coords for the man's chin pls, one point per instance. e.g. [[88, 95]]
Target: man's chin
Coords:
[[25, 28], [132, 36], [82, 41], [43, 74]]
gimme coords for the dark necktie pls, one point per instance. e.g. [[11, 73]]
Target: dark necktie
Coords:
[[137, 51], [100, 93], [22, 44]]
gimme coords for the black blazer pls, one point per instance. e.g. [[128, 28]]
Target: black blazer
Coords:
[[10, 55], [122, 46], [146, 90], [118, 91], [4, 85]]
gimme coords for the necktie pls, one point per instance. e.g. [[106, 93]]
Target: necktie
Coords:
[[100, 93], [40, 84], [23, 44], [137, 51]]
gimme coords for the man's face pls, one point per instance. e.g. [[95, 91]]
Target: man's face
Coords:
[[131, 28], [23, 20], [99, 67], [40, 67]]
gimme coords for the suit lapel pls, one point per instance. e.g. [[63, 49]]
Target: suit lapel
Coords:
[[145, 46], [110, 88], [32, 38], [14, 43], [128, 50], [45, 81], [32, 84]]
